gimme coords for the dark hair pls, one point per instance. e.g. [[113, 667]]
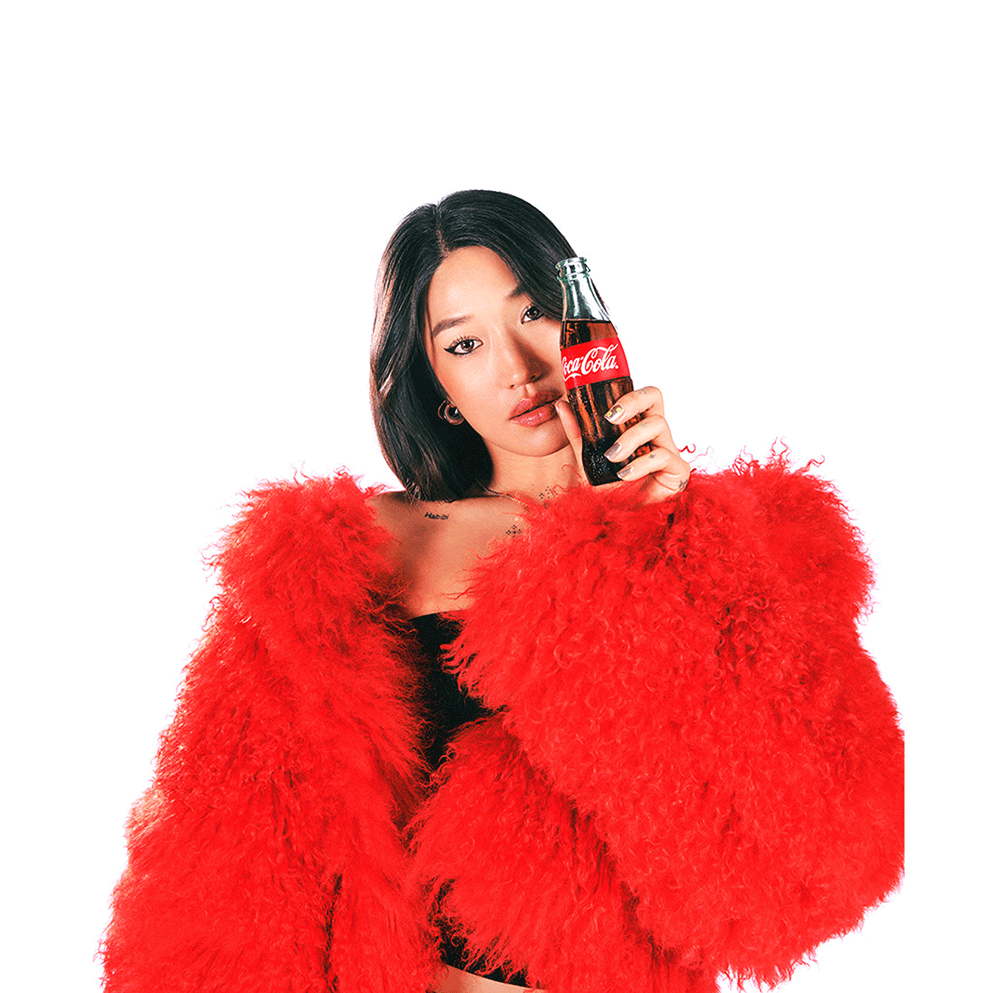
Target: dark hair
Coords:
[[433, 459]]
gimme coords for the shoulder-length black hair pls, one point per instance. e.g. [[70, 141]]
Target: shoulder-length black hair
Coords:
[[433, 459]]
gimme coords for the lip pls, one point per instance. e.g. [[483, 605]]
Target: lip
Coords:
[[538, 400], [535, 410]]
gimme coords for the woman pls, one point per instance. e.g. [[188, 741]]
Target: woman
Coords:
[[667, 756], [468, 392]]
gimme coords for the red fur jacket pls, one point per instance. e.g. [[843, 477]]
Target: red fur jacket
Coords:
[[693, 768]]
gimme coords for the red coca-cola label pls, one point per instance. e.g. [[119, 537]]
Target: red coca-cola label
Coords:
[[594, 362]]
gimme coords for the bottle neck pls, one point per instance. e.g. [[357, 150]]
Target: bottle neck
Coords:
[[580, 300]]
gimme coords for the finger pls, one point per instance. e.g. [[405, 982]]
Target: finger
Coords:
[[646, 400], [573, 433], [652, 429], [667, 469], [659, 486]]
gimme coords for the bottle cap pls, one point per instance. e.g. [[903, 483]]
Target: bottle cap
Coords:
[[569, 268]]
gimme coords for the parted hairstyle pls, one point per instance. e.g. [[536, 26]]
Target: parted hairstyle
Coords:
[[435, 460]]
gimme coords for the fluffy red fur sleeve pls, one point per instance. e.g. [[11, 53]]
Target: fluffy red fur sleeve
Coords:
[[691, 675], [265, 856]]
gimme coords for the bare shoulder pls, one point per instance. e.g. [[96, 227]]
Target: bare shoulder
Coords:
[[437, 544], [405, 518], [392, 511]]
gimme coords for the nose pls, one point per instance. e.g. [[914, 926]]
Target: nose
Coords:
[[519, 363]]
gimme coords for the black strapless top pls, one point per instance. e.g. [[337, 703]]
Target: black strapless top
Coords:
[[446, 705], [447, 708]]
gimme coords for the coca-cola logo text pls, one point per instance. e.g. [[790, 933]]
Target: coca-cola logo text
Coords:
[[603, 358], [594, 362]]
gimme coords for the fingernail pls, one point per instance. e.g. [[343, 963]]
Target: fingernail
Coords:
[[625, 472], [613, 451], [614, 413]]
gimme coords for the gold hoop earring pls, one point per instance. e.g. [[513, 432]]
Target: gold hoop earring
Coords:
[[449, 412]]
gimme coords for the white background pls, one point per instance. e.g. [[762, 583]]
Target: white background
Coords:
[[787, 206]]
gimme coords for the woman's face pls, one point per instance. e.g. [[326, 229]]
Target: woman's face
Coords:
[[495, 354]]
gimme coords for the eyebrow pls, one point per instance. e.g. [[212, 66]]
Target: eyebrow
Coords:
[[451, 322], [448, 322]]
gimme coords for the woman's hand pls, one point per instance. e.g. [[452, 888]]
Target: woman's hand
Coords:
[[662, 471]]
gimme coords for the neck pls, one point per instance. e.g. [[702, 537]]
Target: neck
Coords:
[[534, 477]]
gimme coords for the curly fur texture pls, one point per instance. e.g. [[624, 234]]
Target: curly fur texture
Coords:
[[694, 767]]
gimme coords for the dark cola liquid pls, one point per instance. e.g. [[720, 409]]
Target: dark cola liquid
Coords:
[[592, 401]]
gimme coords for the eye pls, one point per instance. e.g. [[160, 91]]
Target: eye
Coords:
[[462, 346], [533, 313]]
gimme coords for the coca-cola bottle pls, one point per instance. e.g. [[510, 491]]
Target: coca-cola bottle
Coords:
[[595, 369]]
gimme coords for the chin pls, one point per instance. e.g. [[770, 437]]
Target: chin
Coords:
[[541, 447], [536, 442]]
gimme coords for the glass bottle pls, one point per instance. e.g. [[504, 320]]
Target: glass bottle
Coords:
[[595, 369]]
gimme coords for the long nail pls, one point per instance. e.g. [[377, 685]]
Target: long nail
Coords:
[[613, 451], [614, 413]]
